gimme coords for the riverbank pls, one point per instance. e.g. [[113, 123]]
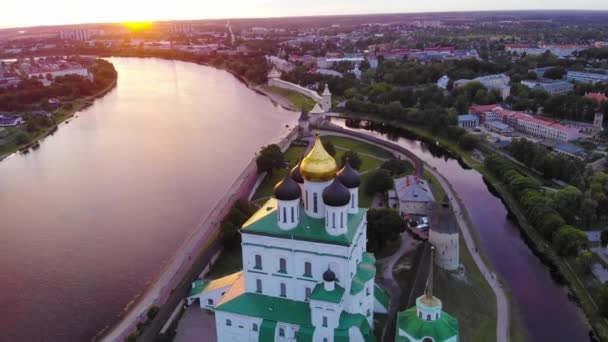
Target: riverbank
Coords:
[[61, 116], [560, 270]]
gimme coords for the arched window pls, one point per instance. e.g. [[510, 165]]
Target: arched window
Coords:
[[282, 265], [428, 317], [258, 261], [254, 327], [428, 339], [258, 285], [210, 301], [284, 215], [341, 220], [352, 201], [314, 202], [283, 290], [307, 269], [333, 220], [306, 200], [325, 321], [228, 323], [293, 216], [281, 332], [420, 315], [308, 293]]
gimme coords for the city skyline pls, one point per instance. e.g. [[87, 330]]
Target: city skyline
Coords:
[[66, 12]]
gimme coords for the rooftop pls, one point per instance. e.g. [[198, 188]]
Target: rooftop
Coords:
[[412, 188], [335, 296], [264, 222], [201, 286], [440, 330]]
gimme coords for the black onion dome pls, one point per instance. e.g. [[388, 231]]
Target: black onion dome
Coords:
[[349, 177], [287, 190], [296, 174], [336, 194], [329, 275]]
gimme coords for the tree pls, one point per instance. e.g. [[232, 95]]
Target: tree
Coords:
[[269, 158], [383, 225], [22, 138], [329, 147], [378, 181], [152, 312], [604, 238], [467, 142], [603, 300], [397, 166], [568, 240], [353, 159], [555, 73], [567, 202], [584, 261]]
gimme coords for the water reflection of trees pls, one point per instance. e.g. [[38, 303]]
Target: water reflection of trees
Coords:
[[393, 133]]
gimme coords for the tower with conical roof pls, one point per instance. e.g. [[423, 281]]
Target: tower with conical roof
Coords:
[[306, 273], [426, 322], [326, 102]]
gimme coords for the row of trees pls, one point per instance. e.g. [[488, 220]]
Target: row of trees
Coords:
[[537, 157], [31, 91], [543, 211]]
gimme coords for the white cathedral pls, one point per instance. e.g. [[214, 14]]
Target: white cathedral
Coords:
[[306, 273]]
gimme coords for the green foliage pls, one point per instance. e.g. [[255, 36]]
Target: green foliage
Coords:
[[555, 73], [270, 157], [467, 142], [604, 238], [329, 147], [152, 312], [397, 166], [232, 222], [603, 300], [568, 240], [378, 181], [353, 159], [584, 261], [383, 225], [22, 138]]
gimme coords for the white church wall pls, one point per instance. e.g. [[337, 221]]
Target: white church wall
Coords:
[[232, 327]]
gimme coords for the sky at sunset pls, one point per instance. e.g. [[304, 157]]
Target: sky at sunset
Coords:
[[53, 12]]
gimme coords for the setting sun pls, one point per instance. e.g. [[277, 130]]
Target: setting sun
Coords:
[[138, 25]]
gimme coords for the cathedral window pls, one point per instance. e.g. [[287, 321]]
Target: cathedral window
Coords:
[[283, 290], [258, 285], [281, 332], [352, 201], [428, 317], [314, 202], [367, 293], [293, 218], [325, 321], [210, 301], [333, 220], [228, 323], [282, 265], [254, 327], [341, 219], [308, 293], [307, 269], [258, 262], [306, 200]]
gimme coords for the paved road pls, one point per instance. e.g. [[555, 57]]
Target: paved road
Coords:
[[502, 304]]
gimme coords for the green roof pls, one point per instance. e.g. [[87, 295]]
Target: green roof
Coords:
[[366, 270], [335, 296], [267, 331], [347, 321], [201, 286], [440, 330], [236, 300], [381, 296], [264, 222]]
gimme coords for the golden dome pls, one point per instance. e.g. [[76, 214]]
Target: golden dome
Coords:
[[318, 165]]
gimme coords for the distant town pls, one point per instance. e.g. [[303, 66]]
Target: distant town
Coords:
[[351, 227]]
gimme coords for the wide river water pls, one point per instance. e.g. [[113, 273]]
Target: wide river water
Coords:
[[89, 219], [544, 308]]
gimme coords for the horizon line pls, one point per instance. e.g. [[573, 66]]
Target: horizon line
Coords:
[[303, 16]]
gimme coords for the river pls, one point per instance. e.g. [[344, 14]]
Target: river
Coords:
[[89, 219], [545, 310]]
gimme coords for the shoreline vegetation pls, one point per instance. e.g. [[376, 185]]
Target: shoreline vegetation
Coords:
[[60, 115], [560, 268]]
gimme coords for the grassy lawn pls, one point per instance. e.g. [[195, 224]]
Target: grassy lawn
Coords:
[[298, 100], [470, 299], [229, 261], [359, 146], [292, 155]]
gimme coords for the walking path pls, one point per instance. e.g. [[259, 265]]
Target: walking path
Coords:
[[502, 304]]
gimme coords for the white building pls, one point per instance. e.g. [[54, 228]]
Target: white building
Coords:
[[468, 121], [499, 82], [306, 273], [443, 82], [586, 77], [444, 236], [414, 196]]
